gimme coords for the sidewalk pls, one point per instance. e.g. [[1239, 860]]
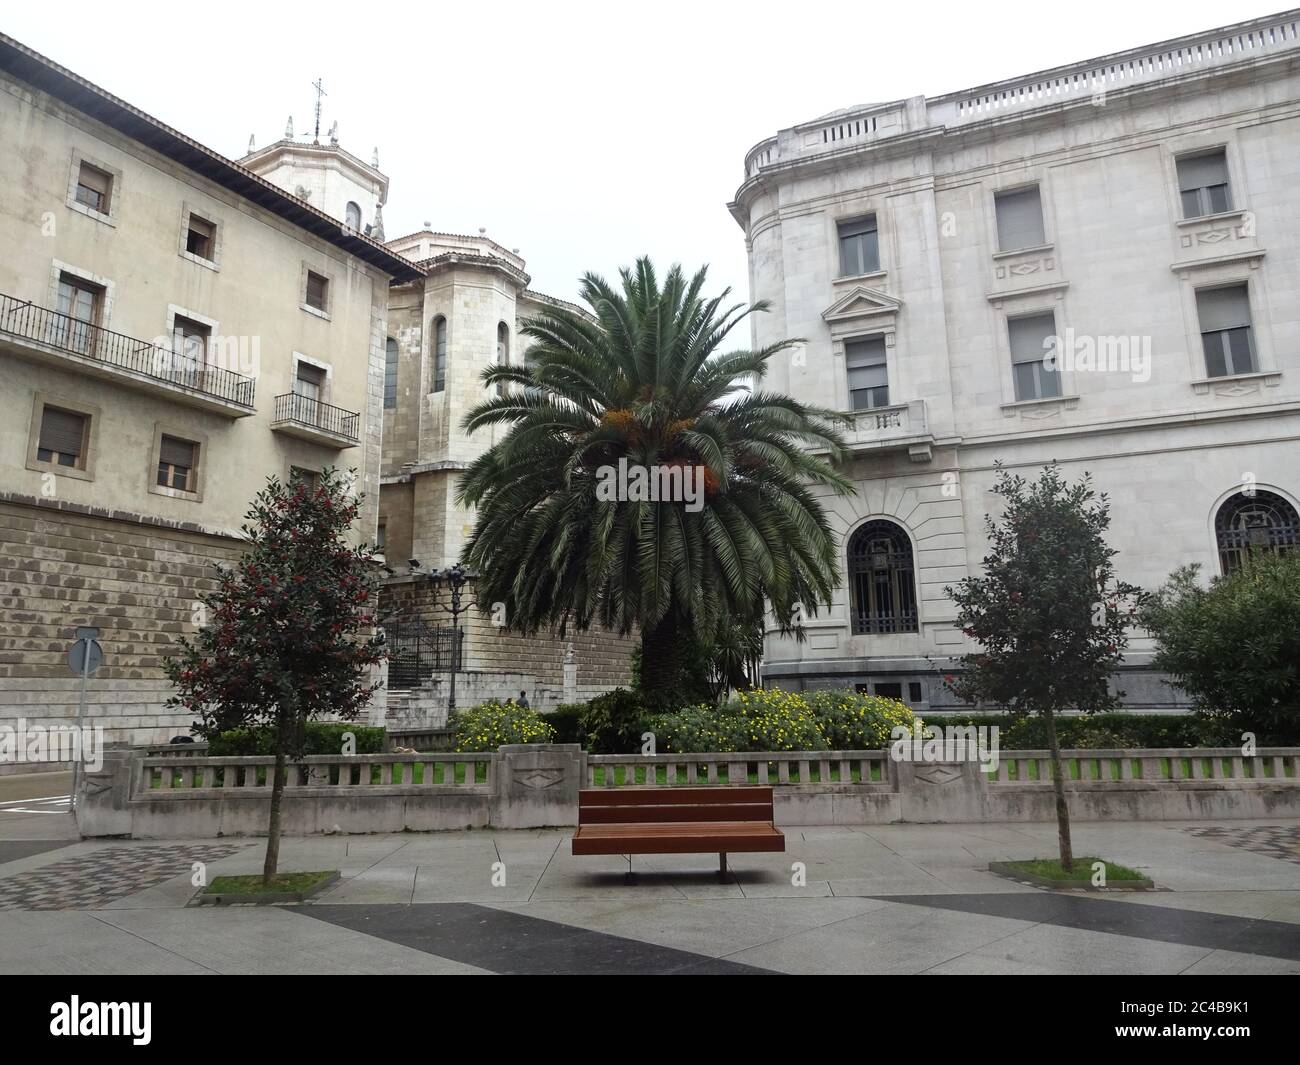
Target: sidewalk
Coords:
[[879, 899]]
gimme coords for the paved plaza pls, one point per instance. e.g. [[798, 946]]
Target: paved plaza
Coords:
[[872, 899]]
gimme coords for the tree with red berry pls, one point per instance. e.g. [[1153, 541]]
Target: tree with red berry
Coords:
[[1050, 616], [290, 633]]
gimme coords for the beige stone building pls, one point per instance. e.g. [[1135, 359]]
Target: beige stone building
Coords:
[[1095, 263], [173, 328]]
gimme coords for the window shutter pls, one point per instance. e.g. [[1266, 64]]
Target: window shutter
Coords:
[[175, 452], [1020, 219], [1223, 308], [1198, 171], [858, 228], [1027, 336], [62, 431]]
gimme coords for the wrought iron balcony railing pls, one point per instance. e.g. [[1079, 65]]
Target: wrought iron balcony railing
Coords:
[[144, 359], [313, 415]]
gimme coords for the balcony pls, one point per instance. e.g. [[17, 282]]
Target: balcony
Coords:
[[46, 336], [890, 429], [310, 419]]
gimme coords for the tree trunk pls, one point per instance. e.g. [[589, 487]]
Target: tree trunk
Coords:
[[277, 793], [661, 655], [1058, 785]]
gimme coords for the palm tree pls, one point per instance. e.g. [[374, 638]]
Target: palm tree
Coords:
[[641, 379]]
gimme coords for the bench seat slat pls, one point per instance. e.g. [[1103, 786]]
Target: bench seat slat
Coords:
[[720, 836], [605, 815], [641, 795]]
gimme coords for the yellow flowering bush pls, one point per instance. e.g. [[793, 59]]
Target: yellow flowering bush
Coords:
[[852, 721], [491, 724], [776, 720]]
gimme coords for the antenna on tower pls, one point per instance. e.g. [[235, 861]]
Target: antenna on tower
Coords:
[[320, 92]]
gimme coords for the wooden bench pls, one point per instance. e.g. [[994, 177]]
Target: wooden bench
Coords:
[[647, 820]]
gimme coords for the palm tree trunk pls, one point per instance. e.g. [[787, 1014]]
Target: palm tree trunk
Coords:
[[1058, 785], [272, 862], [661, 655]]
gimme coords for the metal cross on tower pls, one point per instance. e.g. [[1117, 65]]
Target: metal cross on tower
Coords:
[[320, 92]]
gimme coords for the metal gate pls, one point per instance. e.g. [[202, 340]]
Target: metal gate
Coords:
[[417, 650]]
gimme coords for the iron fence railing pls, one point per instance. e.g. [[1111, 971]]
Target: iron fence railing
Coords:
[[27, 321], [312, 413], [417, 650]]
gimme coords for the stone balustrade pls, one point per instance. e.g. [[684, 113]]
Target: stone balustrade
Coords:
[[145, 793]]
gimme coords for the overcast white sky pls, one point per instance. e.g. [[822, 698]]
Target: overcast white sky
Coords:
[[582, 133]]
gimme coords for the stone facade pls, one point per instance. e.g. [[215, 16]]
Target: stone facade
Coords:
[[155, 292], [912, 242], [471, 304]]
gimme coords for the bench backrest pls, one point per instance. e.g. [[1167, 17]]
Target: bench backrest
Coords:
[[609, 806]]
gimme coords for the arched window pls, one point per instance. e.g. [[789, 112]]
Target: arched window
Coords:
[[503, 350], [1258, 523], [882, 585], [390, 374], [439, 354], [352, 215]]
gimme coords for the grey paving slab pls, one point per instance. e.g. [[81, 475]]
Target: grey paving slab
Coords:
[[886, 940], [1074, 950], [273, 940], [11, 850], [70, 942], [715, 927], [1230, 963]]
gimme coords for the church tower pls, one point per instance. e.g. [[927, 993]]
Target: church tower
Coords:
[[326, 175]]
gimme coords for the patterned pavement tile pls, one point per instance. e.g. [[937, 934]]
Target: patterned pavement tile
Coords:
[[1272, 841], [93, 880]]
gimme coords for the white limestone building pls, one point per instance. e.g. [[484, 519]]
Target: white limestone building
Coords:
[[1135, 215]]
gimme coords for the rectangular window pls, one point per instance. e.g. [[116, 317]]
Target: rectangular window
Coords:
[[1020, 219], [94, 188], [1203, 183], [79, 306], [176, 463], [440, 355], [381, 537], [859, 247], [62, 439], [201, 238], [1029, 346], [868, 373], [299, 475], [390, 374], [890, 691], [914, 694], [1224, 315], [190, 339], [317, 291]]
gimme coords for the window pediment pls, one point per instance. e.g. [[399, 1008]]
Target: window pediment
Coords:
[[862, 305]]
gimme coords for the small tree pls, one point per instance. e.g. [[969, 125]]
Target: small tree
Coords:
[[288, 634], [1051, 618], [1234, 647]]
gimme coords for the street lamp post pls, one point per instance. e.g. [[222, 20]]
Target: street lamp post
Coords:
[[454, 578]]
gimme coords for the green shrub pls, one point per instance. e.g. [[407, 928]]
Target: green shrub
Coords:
[[566, 720], [1234, 647], [852, 721], [612, 723], [698, 729], [322, 737], [491, 724], [1091, 732]]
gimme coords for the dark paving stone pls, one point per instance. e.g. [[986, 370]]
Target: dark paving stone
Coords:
[[514, 943], [1272, 841], [1164, 924], [13, 849], [103, 876]]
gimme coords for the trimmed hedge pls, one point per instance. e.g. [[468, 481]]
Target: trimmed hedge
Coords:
[[323, 737], [1098, 731]]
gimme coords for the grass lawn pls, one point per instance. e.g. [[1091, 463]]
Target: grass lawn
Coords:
[[1050, 869], [252, 885]]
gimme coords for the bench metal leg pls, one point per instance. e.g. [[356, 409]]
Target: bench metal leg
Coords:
[[722, 867], [629, 877]]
